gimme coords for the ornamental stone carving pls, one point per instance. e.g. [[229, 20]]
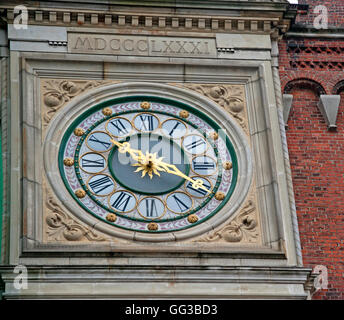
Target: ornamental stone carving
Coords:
[[243, 228], [229, 97], [60, 227], [56, 93]]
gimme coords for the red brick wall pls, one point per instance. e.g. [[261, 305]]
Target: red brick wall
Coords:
[[317, 162], [315, 59], [316, 154], [335, 10]]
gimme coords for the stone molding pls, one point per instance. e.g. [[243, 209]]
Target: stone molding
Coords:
[[129, 20], [169, 281], [293, 222], [5, 156]]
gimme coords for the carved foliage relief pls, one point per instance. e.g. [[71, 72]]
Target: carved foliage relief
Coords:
[[61, 227], [244, 228], [229, 97], [56, 93]]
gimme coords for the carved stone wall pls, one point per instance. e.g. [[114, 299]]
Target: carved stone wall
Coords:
[[229, 97], [61, 226], [151, 20], [218, 56], [55, 93], [243, 228]]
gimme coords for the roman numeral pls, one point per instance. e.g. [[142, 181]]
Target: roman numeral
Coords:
[[182, 206], [121, 201], [174, 128], [147, 123], [105, 144], [100, 184], [195, 144], [100, 163], [118, 124], [200, 191], [151, 209], [203, 165]]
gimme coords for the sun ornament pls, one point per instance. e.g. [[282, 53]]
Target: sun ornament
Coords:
[[149, 164]]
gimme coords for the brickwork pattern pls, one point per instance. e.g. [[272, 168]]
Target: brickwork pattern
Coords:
[[308, 68], [317, 60], [335, 10]]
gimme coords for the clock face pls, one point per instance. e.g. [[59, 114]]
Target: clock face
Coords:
[[148, 164]]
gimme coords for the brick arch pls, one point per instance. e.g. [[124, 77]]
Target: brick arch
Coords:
[[339, 87], [304, 83]]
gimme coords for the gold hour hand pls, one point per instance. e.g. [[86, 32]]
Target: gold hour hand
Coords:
[[198, 183]]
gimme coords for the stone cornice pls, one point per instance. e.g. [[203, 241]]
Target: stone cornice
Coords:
[[260, 5], [93, 281], [236, 16]]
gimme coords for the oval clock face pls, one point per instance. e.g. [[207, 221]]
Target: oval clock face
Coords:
[[148, 164]]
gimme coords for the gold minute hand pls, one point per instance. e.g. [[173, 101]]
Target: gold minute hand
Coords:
[[170, 168], [125, 147]]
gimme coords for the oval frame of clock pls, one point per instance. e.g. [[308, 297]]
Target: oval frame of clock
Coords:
[[84, 169]]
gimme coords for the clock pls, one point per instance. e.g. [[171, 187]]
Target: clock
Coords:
[[148, 164]]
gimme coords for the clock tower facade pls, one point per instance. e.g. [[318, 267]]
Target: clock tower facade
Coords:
[[147, 152]]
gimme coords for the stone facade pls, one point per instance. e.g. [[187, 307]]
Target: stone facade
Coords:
[[224, 60]]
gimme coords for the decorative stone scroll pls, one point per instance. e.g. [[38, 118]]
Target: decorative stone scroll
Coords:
[[60, 227], [242, 229], [229, 97], [56, 93]]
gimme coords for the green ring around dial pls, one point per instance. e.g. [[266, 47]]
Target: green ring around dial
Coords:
[[81, 141], [178, 104]]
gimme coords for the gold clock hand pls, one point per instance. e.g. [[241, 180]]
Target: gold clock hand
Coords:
[[125, 147], [150, 164], [147, 163], [170, 168]]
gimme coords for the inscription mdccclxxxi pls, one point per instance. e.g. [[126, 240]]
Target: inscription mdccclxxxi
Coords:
[[141, 45]]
